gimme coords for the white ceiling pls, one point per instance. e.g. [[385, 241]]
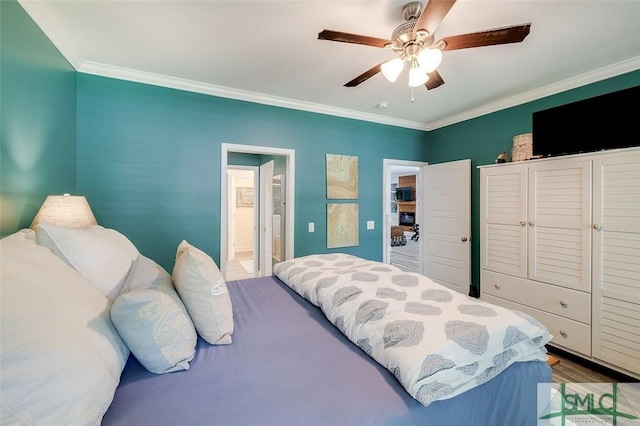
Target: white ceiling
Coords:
[[268, 51]]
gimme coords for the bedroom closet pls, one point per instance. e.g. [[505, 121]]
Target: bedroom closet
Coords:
[[560, 241]]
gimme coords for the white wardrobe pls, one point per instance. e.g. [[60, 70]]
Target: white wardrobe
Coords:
[[560, 240]]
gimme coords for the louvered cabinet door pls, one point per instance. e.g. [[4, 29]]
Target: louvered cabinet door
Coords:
[[503, 232], [559, 222], [616, 260]]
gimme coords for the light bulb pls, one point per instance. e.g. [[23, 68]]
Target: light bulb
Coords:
[[417, 77], [392, 69], [429, 59]]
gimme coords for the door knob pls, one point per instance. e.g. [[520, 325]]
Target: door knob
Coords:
[[597, 227], [464, 239], [523, 223]]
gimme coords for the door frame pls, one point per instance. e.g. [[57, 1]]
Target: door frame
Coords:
[[289, 155], [387, 164]]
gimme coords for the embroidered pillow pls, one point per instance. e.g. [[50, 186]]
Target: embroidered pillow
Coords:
[[152, 319], [204, 292]]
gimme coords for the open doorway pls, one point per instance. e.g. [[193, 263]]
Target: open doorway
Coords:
[[265, 211], [402, 201], [243, 219]]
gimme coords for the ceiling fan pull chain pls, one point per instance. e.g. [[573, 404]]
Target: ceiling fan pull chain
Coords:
[[412, 95]]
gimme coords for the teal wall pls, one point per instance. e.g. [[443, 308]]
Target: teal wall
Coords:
[[483, 138], [149, 162], [37, 119]]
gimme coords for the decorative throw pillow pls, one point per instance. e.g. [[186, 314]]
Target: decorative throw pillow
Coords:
[[61, 356], [204, 292], [152, 320], [103, 256]]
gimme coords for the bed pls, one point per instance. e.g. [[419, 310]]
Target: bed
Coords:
[[287, 364]]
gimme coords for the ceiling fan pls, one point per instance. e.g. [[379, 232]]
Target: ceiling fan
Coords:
[[414, 42]]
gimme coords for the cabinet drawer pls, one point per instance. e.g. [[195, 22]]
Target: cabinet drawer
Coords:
[[572, 304], [566, 333]]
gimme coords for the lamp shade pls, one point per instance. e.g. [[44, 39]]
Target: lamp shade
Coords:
[[392, 69], [429, 59], [65, 210], [417, 77]]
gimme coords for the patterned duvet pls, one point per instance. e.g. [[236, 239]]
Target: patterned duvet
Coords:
[[437, 342]]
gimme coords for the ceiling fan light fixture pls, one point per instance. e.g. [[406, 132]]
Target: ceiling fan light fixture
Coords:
[[417, 75], [429, 59], [392, 69]]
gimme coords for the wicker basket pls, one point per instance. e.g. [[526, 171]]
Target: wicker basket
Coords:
[[522, 147]]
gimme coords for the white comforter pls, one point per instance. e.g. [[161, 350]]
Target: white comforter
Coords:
[[437, 342]]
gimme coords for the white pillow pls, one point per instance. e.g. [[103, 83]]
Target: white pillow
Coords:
[[103, 256], [152, 320], [204, 292], [61, 356]]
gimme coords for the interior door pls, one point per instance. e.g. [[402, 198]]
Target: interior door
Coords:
[[446, 224], [266, 219]]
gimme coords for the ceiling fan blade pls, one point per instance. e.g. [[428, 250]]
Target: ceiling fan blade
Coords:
[[514, 34], [432, 15], [364, 76], [352, 38], [434, 80]]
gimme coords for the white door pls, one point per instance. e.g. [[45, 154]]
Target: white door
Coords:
[[446, 224], [616, 260], [503, 219], [560, 223], [266, 219]]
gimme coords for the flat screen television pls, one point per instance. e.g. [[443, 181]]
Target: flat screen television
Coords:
[[603, 122], [404, 193]]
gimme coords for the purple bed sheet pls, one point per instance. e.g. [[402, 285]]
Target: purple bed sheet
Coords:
[[288, 365]]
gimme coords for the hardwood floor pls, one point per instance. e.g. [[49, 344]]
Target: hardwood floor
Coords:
[[235, 270], [406, 257], [572, 369]]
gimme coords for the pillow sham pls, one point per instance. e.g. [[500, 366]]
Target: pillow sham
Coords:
[[204, 292], [152, 319], [103, 256], [61, 356]]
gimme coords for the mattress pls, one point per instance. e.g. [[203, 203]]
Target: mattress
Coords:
[[288, 365]]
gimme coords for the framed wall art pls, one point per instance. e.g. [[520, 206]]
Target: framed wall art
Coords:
[[342, 225], [342, 176], [244, 197]]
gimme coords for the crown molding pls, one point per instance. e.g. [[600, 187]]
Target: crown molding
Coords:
[[614, 70], [104, 70]]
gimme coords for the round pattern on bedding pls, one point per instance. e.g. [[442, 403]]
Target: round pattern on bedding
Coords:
[[436, 295], [469, 369], [405, 280], [371, 310], [433, 391], [468, 335], [365, 277], [477, 310], [346, 294], [434, 363], [389, 293], [422, 309], [402, 333], [365, 346], [326, 282], [512, 336]]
